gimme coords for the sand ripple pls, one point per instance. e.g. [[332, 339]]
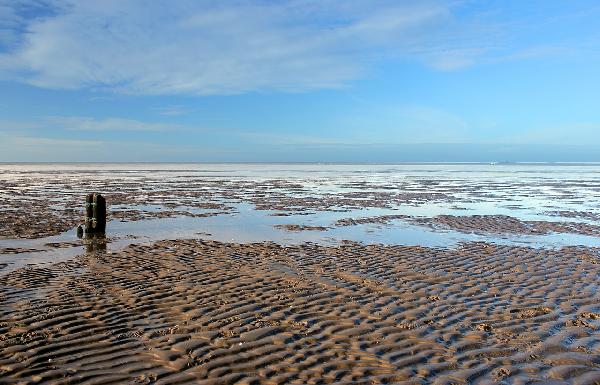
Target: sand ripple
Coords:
[[502, 224], [214, 313]]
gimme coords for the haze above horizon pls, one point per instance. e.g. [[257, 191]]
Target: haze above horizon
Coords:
[[299, 81]]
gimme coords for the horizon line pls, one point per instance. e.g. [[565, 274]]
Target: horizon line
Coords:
[[491, 163]]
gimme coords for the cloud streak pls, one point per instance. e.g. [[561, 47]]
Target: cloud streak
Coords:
[[78, 123], [204, 48], [85, 124]]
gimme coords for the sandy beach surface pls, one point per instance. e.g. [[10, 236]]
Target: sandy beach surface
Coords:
[[301, 274]]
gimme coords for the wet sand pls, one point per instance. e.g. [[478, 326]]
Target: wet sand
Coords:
[[38, 201], [503, 224], [142, 307], [207, 312]]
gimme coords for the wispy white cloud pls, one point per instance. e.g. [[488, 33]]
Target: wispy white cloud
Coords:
[[174, 110], [24, 142], [17, 15], [84, 123], [199, 48], [24, 147], [8, 126], [28, 147], [61, 139], [78, 123]]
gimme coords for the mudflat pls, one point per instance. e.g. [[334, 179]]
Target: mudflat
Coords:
[[208, 312], [292, 278]]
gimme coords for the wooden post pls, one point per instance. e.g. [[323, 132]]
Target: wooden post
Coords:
[[95, 214], [95, 243]]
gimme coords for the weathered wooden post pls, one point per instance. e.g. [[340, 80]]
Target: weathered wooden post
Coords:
[[95, 214]]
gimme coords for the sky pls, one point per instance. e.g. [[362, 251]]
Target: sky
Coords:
[[299, 81]]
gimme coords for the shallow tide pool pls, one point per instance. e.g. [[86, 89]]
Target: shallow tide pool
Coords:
[[526, 192]]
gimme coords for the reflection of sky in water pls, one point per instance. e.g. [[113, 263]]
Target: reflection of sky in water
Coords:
[[527, 192], [249, 225]]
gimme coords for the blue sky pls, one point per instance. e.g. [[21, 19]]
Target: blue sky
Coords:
[[351, 81]]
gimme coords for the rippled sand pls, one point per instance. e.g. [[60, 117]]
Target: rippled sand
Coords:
[[464, 274], [206, 312]]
